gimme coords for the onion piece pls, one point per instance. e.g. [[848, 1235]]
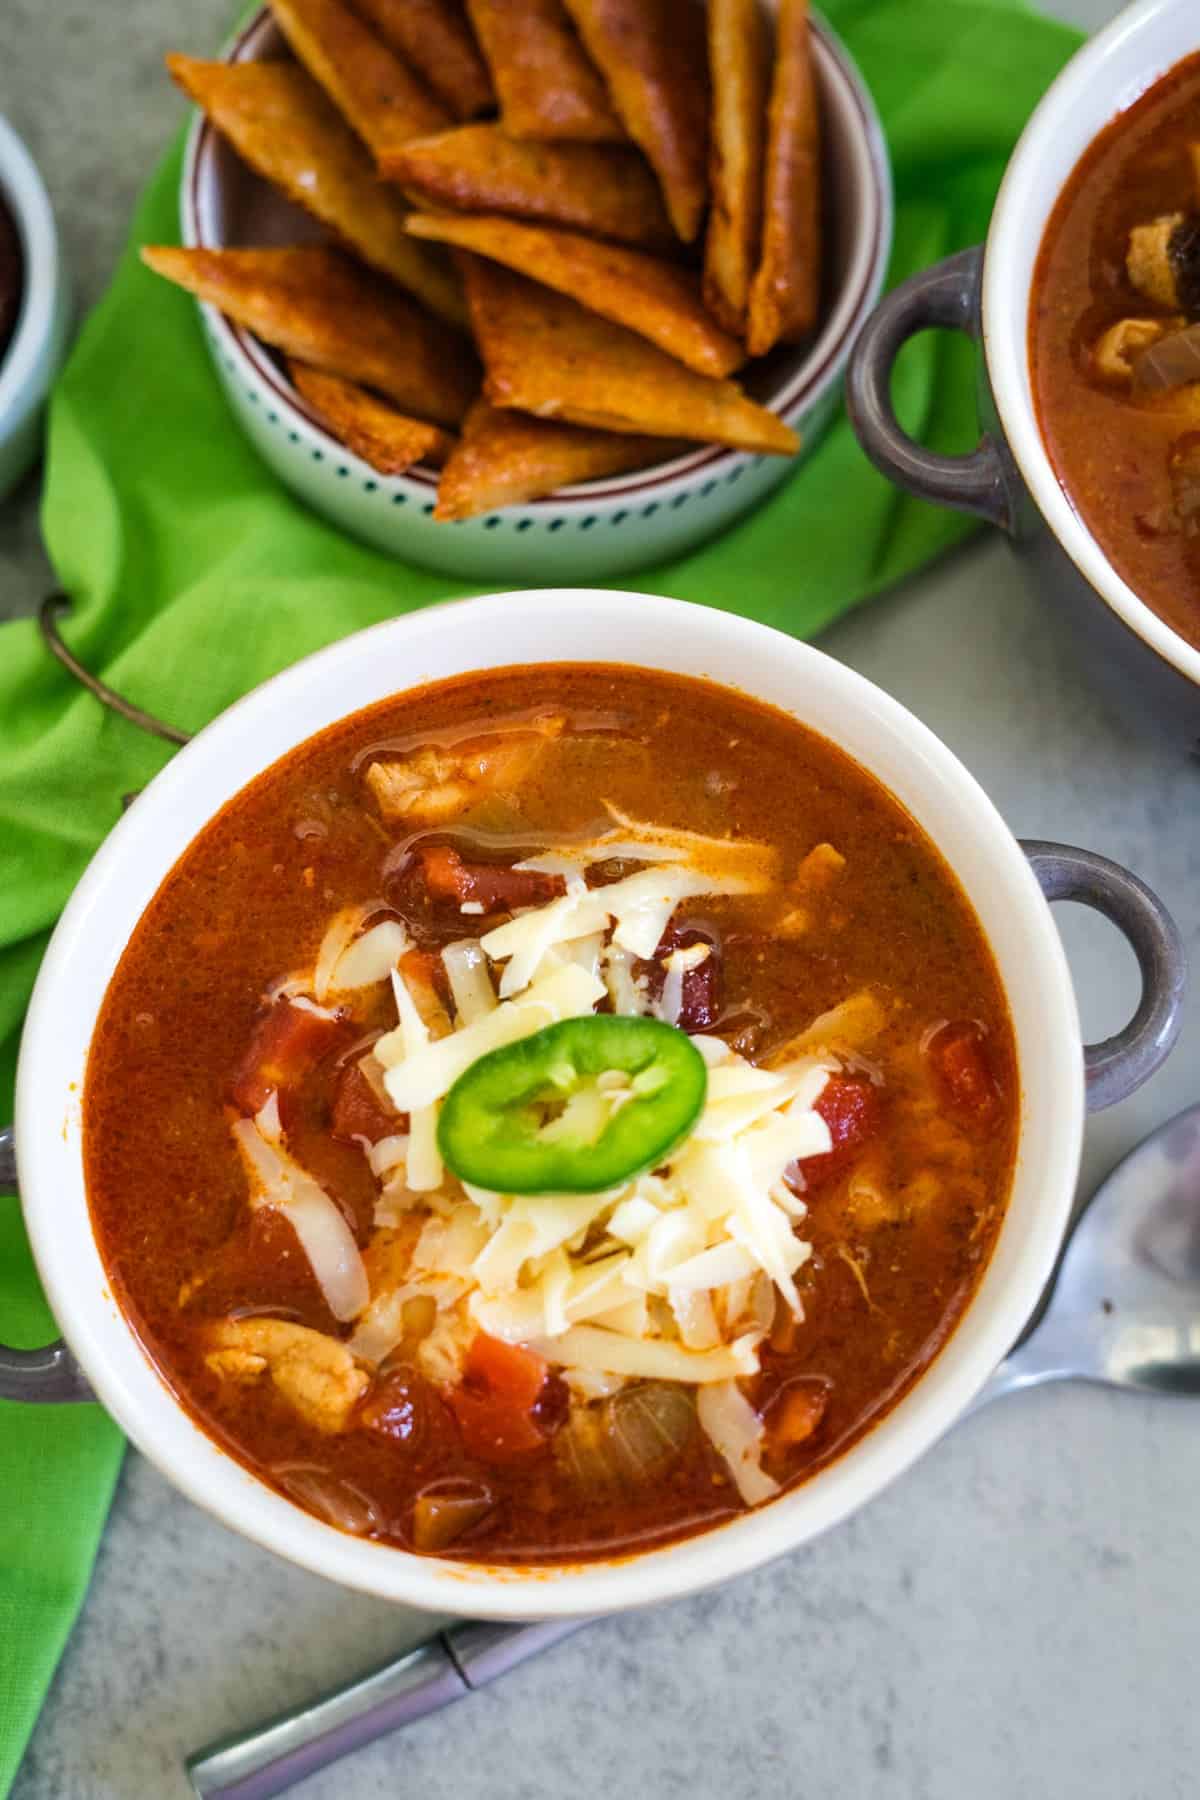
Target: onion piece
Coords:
[[267, 1121], [388, 1154], [634, 1437], [736, 1432], [693, 1309], [372, 957], [332, 1499], [466, 967], [325, 1237], [1173, 362], [339, 935], [446, 1509]]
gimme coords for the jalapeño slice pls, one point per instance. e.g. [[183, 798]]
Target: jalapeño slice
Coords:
[[576, 1108]]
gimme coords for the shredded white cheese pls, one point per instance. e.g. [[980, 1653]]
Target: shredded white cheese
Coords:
[[420, 1078], [637, 909], [672, 1276]]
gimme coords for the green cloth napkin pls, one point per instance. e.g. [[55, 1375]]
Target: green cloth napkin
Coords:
[[195, 576]]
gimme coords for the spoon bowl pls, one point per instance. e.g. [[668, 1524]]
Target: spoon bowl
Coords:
[[1125, 1306]]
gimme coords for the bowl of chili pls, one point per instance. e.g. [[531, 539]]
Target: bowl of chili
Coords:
[[1079, 462], [756, 728]]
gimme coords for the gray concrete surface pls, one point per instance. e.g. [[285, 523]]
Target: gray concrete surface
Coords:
[[1015, 1618]]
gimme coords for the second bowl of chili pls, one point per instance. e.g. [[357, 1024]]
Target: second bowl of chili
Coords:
[[1072, 465]]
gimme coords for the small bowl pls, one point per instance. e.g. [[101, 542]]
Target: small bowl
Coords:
[[596, 528], [38, 344]]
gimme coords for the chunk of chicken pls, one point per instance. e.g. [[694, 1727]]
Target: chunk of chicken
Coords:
[[315, 1374], [822, 864], [1148, 260], [427, 788], [437, 783], [1117, 349]]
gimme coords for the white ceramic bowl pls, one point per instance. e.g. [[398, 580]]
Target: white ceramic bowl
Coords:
[[540, 627], [1147, 668], [38, 344], [1106, 76], [597, 528]]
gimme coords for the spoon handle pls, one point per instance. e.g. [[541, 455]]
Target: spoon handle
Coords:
[[257, 1764]]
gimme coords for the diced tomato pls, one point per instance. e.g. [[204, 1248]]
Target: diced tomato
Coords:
[[358, 1112], [498, 1406], [490, 885], [960, 1061], [852, 1108], [287, 1042]]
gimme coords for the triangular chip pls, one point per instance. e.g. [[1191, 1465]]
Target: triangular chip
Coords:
[[604, 189], [653, 55], [785, 292], [657, 299], [435, 38], [739, 56], [323, 309], [505, 458], [367, 82], [280, 122], [548, 87], [388, 440], [545, 355]]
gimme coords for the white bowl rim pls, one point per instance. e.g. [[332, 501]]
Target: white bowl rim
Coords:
[[25, 191], [50, 1163], [1109, 60], [821, 368]]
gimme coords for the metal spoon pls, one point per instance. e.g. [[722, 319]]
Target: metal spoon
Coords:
[[1124, 1310]]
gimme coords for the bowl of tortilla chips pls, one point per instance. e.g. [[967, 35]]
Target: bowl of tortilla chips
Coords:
[[525, 289]]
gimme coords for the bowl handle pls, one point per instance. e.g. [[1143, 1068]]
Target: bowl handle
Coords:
[[1113, 1069], [946, 296], [50, 1373], [1122, 1063]]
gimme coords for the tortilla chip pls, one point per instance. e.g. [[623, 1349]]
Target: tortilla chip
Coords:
[[653, 55], [785, 292], [603, 189], [433, 36], [323, 309], [279, 121], [504, 458], [657, 299], [377, 93], [739, 56], [545, 355], [383, 437], [548, 89]]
